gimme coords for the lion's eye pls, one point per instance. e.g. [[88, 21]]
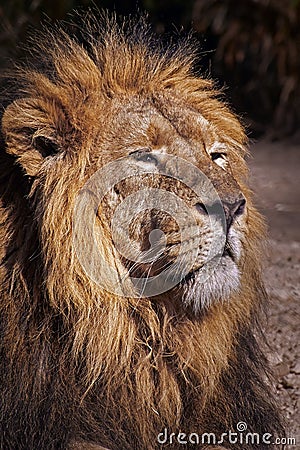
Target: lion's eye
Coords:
[[45, 146], [144, 156], [219, 158]]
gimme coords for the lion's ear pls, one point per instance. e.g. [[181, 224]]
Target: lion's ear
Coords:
[[28, 134]]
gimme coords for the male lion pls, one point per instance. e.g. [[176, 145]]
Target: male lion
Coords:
[[94, 353]]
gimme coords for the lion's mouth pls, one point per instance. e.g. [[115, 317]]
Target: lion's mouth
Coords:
[[227, 254], [207, 270], [165, 260]]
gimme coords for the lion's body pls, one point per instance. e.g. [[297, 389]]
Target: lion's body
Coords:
[[79, 364]]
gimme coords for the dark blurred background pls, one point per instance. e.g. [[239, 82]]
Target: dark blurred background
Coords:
[[252, 47]]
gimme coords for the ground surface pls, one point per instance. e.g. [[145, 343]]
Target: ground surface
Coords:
[[275, 176]]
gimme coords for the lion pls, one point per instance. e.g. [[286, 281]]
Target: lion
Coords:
[[87, 364]]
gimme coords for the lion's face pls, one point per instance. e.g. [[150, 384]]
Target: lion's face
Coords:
[[177, 215]]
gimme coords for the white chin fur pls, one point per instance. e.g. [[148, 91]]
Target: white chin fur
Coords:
[[212, 284]]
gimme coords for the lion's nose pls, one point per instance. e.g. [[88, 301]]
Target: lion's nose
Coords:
[[231, 209]]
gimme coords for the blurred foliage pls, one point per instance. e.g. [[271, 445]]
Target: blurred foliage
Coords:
[[251, 46], [258, 54]]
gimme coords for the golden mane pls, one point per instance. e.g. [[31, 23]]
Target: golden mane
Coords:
[[79, 364]]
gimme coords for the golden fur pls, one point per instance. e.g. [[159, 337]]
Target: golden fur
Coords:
[[79, 364]]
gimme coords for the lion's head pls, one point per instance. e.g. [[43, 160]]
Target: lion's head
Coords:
[[131, 245], [146, 110]]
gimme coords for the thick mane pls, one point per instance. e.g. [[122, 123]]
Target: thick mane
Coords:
[[78, 362], [74, 70]]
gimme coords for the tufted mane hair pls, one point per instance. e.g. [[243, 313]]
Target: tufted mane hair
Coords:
[[79, 363]]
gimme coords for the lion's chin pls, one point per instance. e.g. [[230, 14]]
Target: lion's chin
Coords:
[[211, 283]]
